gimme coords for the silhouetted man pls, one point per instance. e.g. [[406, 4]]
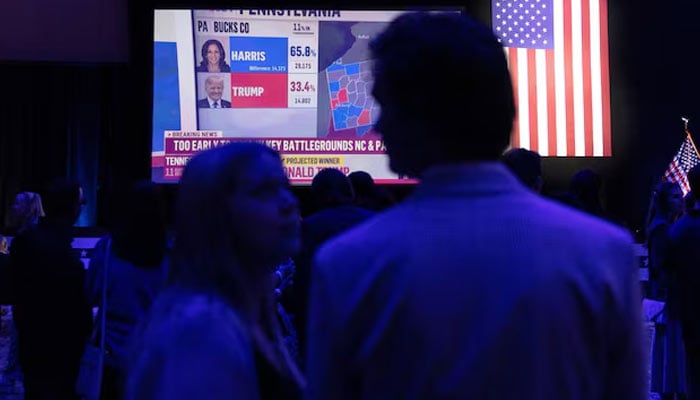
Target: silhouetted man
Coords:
[[51, 313], [473, 287]]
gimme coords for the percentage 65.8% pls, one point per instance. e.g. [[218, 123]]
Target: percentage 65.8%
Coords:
[[302, 51]]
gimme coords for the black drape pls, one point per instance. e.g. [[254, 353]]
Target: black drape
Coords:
[[67, 120]]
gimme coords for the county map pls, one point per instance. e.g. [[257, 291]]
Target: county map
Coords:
[[346, 76]]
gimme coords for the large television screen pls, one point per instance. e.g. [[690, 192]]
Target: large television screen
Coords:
[[298, 80]]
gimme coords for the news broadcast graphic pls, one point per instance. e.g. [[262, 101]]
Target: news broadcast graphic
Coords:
[[298, 80]]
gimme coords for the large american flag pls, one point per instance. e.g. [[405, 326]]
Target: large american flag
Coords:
[[557, 51], [686, 158]]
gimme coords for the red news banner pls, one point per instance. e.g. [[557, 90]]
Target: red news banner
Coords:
[[302, 157]]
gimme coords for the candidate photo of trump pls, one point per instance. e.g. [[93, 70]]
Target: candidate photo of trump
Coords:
[[214, 88]]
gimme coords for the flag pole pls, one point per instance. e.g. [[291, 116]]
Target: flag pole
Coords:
[[650, 213], [690, 137]]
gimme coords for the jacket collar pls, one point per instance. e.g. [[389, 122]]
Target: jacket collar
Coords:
[[487, 177]]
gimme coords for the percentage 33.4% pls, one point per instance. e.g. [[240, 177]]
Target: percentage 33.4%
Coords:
[[302, 51], [301, 86]]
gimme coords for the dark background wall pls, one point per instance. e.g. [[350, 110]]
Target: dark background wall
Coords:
[[75, 96], [66, 30]]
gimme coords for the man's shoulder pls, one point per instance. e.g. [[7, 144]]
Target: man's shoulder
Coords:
[[561, 217], [203, 103], [225, 103], [543, 219]]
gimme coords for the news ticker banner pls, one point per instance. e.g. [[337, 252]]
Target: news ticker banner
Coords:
[[302, 158]]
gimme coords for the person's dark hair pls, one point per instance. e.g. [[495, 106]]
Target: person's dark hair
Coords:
[[525, 164], [139, 227], [368, 194], [330, 188], [362, 183], [203, 65], [585, 185], [204, 254], [662, 196], [465, 96], [61, 199]]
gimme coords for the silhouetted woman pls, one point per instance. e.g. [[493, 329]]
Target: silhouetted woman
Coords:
[[214, 332]]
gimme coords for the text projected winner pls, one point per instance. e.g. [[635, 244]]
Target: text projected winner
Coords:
[[297, 80]]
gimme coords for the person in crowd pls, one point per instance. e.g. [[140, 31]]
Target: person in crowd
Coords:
[[668, 363], [27, 210], [684, 237], [367, 194], [214, 86], [585, 187], [135, 273], [5, 286], [666, 207], [332, 192], [213, 331], [526, 165], [213, 57], [473, 287], [584, 192], [50, 311]]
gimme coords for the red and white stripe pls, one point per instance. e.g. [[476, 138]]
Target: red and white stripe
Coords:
[[675, 174], [563, 95]]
